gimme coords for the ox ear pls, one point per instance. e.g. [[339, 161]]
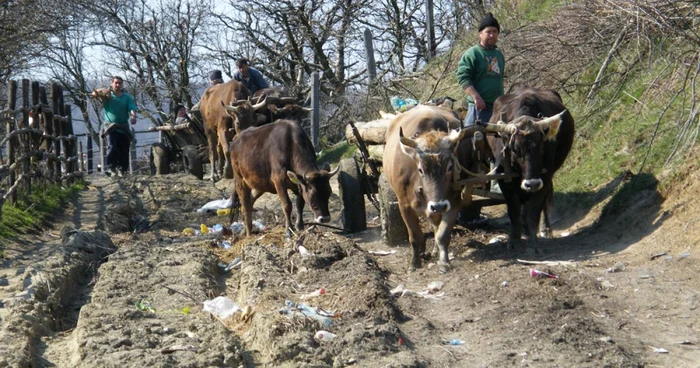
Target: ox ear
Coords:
[[296, 179], [273, 108]]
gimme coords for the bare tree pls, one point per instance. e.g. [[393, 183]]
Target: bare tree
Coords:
[[155, 43]]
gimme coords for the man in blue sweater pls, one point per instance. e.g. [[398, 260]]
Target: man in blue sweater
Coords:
[[249, 76]]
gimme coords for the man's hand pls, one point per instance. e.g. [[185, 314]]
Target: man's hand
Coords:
[[133, 120], [479, 103]]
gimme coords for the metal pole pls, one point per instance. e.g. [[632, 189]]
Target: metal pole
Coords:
[[315, 114]]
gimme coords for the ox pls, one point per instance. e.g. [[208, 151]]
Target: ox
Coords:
[[280, 105], [218, 123], [536, 149], [275, 158], [421, 167]]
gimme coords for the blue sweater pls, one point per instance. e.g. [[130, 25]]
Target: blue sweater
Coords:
[[255, 80]]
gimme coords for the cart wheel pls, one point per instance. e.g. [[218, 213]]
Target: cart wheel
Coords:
[[159, 157], [393, 228], [351, 196], [192, 162]]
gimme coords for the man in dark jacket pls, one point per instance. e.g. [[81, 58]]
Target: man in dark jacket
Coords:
[[249, 76]]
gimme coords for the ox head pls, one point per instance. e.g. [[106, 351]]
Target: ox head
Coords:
[[526, 140], [316, 190], [243, 113], [289, 111], [433, 154]]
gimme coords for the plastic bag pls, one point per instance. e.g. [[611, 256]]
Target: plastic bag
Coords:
[[221, 307], [215, 205]]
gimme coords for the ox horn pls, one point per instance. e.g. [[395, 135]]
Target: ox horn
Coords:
[[509, 128], [306, 109], [229, 108], [406, 141], [260, 105], [551, 124]]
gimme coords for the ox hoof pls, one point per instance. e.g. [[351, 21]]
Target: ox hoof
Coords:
[[445, 268], [546, 234]]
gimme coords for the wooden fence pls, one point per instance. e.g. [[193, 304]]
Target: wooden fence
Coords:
[[39, 145]]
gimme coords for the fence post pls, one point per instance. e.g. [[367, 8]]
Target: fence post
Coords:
[[315, 114], [90, 167], [369, 53], [26, 138], [12, 143], [81, 163], [47, 127], [11, 157], [102, 153], [56, 126], [430, 24], [71, 145]]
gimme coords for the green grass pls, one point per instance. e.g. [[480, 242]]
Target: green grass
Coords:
[[34, 210], [337, 152]]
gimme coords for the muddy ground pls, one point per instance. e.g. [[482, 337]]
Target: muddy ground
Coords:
[[114, 282]]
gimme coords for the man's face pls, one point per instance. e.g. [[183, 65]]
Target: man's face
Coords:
[[181, 112], [117, 84], [488, 37], [243, 69]]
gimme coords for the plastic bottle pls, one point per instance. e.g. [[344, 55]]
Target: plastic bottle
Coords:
[[538, 273], [453, 342], [216, 229], [203, 229], [325, 336], [258, 226], [223, 211], [316, 293], [188, 231]]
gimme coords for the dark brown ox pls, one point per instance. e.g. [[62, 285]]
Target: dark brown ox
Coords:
[[275, 158], [218, 123], [420, 165], [536, 148], [280, 105]]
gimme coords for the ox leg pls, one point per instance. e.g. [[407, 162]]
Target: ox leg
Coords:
[[415, 236], [545, 223], [227, 171], [246, 207], [531, 218], [213, 153], [516, 225], [286, 206], [300, 211], [443, 234]]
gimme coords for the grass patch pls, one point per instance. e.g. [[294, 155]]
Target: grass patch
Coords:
[[337, 152], [34, 209]]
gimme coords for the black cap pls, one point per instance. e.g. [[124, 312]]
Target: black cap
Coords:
[[177, 108], [489, 21], [215, 75]]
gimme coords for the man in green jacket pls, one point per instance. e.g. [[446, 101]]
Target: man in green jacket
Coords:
[[120, 109], [480, 72]]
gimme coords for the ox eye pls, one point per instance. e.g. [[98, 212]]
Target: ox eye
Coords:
[[420, 171]]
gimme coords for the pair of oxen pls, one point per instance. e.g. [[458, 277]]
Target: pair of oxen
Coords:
[[426, 156], [425, 160]]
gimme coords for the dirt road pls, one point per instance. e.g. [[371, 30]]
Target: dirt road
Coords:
[[114, 282]]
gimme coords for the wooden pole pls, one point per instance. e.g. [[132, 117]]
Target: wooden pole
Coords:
[[71, 146], [430, 24], [90, 167], [11, 155], [81, 163], [132, 155], [26, 138], [369, 53], [315, 114], [56, 127]]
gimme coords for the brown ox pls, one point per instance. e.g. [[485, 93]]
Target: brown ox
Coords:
[[280, 105], [421, 167], [536, 150], [218, 124], [275, 158]]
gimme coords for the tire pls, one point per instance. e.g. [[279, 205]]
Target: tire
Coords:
[[159, 157], [352, 198], [193, 162], [393, 228]]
